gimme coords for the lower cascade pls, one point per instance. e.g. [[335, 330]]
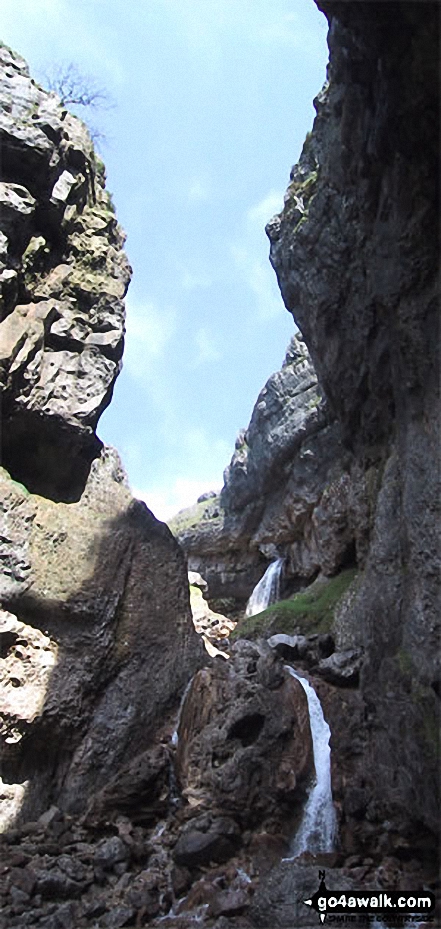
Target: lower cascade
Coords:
[[317, 829], [267, 590]]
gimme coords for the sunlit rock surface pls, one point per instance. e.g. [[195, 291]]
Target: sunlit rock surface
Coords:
[[97, 639], [63, 277], [287, 491]]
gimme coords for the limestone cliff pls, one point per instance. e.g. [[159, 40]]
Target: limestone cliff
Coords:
[[286, 491], [356, 253], [96, 637], [63, 276]]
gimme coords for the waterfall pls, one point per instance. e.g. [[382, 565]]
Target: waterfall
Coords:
[[175, 737], [317, 829], [267, 590]]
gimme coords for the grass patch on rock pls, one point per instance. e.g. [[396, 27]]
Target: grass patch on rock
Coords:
[[304, 613], [192, 516]]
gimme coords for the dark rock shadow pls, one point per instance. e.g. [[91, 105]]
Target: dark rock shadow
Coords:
[[126, 649]]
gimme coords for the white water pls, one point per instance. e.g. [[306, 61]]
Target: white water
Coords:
[[317, 829], [267, 590], [175, 738]]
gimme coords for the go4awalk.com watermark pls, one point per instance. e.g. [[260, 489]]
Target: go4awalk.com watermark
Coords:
[[397, 908]]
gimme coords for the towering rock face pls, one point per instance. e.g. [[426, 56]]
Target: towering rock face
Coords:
[[97, 642], [356, 254], [63, 276], [341, 461], [286, 492]]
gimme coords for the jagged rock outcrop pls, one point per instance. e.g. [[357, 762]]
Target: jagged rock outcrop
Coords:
[[244, 741], [356, 254], [97, 642], [287, 491], [63, 277]]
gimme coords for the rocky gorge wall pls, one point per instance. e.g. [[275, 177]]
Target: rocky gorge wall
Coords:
[[96, 637], [113, 803], [115, 819], [364, 202], [287, 492], [340, 463]]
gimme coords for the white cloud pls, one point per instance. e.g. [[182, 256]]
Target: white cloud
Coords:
[[259, 276], [165, 501], [250, 254], [149, 330], [198, 191], [191, 281], [260, 214], [206, 347], [285, 30]]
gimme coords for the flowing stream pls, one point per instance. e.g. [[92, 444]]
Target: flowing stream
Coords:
[[267, 590], [317, 829]]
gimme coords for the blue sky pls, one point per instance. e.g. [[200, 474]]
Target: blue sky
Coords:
[[213, 99]]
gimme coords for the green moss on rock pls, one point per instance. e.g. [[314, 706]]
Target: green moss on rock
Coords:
[[192, 516], [304, 613]]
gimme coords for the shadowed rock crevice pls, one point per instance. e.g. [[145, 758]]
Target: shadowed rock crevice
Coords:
[[49, 456]]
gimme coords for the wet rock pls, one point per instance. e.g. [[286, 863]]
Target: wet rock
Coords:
[[23, 879], [149, 893], [244, 742], [342, 668], [56, 884], [309, 649], [207, 839], [231, 902], [118, 917]]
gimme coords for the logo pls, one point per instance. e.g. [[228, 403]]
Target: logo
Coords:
[[344, 906]]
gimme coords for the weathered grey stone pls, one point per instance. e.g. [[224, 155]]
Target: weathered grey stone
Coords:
[[60, 239], [207, 839], [342, 668], [244, 740], [368, 308], [96, 586]]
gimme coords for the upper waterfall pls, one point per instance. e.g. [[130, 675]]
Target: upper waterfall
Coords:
[[267, 590]]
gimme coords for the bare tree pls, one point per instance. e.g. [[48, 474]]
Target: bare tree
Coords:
[[77, 89]]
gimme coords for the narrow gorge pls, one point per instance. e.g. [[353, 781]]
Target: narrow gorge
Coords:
[[146, 781]]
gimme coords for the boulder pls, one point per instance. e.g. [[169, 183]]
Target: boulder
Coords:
[[306, 648], [244, 740], [342, 668], [205, 839]]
